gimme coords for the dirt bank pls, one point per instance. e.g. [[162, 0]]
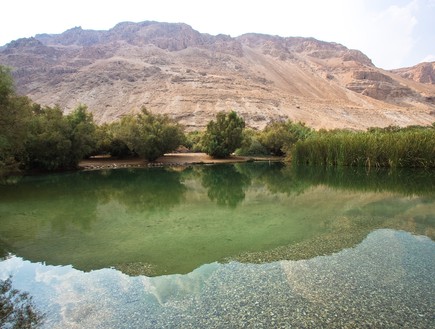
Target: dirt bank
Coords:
[[169, 159]]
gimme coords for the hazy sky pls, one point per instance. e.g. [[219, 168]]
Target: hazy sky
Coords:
[[392, 33]]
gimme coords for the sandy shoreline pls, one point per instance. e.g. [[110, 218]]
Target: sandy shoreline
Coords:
[[169, 159]]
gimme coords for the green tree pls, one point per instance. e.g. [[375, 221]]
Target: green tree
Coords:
[[48, 145], [15, 112], [107, 143], [224, 135], [150, 135], [279, 137], [6, 85], [251, 146], [193, 141], [82, 133], [56, 141], [41, 138], [103, 139]]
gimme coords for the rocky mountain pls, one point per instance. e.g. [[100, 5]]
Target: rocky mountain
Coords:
[[423, 72], [173, 69]]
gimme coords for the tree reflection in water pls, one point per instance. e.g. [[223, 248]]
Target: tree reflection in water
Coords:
[[225, 184]]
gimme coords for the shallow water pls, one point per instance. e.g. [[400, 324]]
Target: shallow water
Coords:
[[252, 245]]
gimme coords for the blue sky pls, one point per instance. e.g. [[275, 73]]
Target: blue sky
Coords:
[[392, 33]]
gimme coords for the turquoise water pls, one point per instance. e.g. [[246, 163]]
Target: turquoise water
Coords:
[[256, 245]]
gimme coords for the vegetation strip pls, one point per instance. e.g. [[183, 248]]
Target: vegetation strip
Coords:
[[390, 147], [36, 138]]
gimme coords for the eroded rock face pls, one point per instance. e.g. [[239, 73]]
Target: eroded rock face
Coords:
[[371, 76], [424, 73], [380, 86], [173, 69]]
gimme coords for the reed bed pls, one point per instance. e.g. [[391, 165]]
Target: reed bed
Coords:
[[412, 147]]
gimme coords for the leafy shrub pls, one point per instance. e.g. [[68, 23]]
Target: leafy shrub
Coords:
[[15, 112], [224, 135], [251, 146], [194, 141], [149, 135], [279, 137], [56, 141]]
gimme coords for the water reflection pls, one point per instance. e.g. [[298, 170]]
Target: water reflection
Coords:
[[279, 178], [157, 221], [407, 182], [384, 282], [143, 191], [225, 184]]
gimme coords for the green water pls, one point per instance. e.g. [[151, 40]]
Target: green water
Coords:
[[162, 221], [253, 245]]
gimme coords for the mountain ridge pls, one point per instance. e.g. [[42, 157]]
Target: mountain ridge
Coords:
[[171, 68]]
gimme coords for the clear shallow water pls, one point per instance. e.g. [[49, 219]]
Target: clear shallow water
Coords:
[[384, 282], [223, 246]]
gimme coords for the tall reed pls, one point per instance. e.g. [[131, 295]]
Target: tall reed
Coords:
[[389, 147]]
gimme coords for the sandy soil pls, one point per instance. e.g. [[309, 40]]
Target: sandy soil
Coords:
[[169, 159]]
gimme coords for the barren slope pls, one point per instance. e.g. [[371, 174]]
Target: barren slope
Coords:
[[170, 68]]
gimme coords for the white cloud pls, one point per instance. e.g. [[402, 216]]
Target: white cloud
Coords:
[[429, 58]]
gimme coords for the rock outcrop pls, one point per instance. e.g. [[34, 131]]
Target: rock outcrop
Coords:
[[423, 72], [381, 86]]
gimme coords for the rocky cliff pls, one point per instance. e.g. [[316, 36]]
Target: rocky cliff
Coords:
[[173, 69], [424, 73]]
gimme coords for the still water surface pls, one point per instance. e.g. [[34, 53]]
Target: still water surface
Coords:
[[253, 245]]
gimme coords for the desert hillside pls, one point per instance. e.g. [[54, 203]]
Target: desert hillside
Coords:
[[173, 69], [423, 72]]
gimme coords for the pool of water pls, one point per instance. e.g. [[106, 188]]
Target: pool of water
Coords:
[[255, 245]]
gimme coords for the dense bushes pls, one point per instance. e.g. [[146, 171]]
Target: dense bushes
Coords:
[[15, 112], [251, 145], [224, 135], [390, 147], [148, 135], [33, 137], [412, 146], [279, 137], [193, 141], [55, 141]]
